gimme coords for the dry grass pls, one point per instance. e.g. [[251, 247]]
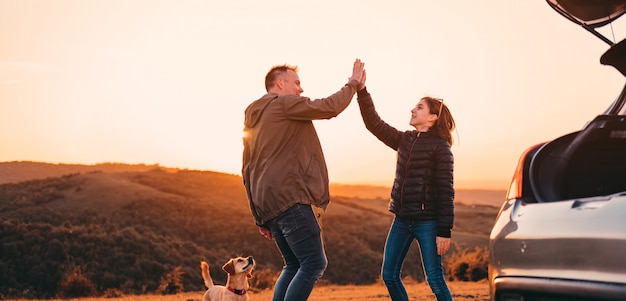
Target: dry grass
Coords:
[[461, 291]]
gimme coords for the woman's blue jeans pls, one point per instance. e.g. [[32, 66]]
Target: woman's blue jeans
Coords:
[[399, 241], [298, 237]]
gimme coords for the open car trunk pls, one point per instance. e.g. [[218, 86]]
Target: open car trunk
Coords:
[[590, 14], [590, 162]]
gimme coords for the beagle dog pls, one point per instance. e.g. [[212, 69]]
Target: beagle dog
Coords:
[[239, 269]]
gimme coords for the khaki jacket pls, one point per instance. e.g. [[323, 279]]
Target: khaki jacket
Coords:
[[283, 163]]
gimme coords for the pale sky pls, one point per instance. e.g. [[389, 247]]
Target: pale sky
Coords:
[[167, 82]]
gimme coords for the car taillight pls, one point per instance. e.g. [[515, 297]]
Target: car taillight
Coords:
[[517, 183]]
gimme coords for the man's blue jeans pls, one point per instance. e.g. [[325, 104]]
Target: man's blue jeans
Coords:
[[298, 237], [399, 241]]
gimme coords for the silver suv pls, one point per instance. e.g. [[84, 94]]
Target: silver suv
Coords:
[[561, 233]]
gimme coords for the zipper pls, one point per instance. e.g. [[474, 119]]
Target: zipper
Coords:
[[406, 171]]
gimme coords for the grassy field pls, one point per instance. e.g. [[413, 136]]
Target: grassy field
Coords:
[[461, 291], [131, 231]]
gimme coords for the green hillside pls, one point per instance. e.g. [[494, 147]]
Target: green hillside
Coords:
[[130, 230]]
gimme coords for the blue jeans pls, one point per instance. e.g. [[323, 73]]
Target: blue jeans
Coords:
[[399, 241], [298, 237]]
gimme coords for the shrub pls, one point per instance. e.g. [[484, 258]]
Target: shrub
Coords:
[[263, 279], [172, 282], [75, 285], [467, 265], [113, 293]]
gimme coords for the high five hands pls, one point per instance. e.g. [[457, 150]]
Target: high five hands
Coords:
[[358, 73]]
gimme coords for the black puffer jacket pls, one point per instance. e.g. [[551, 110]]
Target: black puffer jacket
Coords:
[[423, 186]]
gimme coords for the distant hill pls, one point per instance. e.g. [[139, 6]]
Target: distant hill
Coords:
[[465, 196], [127, 227], [19, 171]]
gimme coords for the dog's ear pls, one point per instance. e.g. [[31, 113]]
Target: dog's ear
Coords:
[[229, 267]]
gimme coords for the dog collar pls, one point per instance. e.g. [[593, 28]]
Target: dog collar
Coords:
[[240, 292]]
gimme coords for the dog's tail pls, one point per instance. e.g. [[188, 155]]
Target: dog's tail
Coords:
[[208, 282]]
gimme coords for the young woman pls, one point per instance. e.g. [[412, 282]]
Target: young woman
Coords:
[[422, 197]]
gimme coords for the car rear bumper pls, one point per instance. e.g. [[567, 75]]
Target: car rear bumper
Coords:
[[563, 288]]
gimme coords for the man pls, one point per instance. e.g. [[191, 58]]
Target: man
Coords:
[[285, 173]]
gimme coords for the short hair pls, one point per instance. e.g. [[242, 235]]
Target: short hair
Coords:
[[275, 72]]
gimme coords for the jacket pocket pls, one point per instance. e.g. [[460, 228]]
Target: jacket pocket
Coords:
[[314, 178]]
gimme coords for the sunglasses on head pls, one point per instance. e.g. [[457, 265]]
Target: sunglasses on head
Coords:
[[440, 105]]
